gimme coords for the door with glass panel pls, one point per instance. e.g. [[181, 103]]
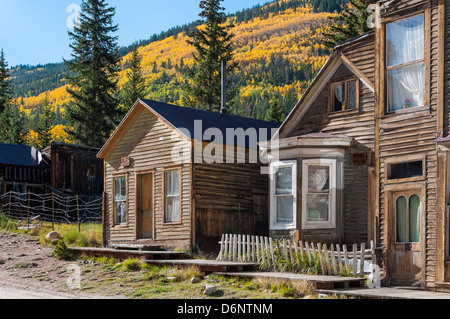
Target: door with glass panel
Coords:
[[406, 262], [145, 205]]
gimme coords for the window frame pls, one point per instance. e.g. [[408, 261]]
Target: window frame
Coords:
[[382, 62], [274, 225], [333, 183], [408, 195], [409, 159], [113, 210], [165, 196], [345, 86]]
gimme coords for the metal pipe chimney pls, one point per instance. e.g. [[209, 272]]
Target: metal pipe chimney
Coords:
[[224, 109]]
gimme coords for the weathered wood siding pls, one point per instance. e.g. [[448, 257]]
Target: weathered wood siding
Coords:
[[412, 133], [149, 143], [358, 125], [230, 198]]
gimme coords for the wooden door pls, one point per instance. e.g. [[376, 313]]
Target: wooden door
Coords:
[[406, 266], [145, 205]]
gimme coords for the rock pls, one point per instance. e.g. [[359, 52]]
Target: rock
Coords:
[[322, 296], [52, 235], [55, 241], [210, 290], [194, 280]]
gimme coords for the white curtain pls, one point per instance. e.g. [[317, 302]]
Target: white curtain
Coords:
[[172, 181], [405, 44]]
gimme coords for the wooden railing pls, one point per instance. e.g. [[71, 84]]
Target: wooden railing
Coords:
[[270, 254]]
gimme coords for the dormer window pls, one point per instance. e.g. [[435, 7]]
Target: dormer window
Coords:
[[405, 63], [344, 95]]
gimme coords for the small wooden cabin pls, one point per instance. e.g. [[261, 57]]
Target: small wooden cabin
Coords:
[[22, 168], [174, 178], [75, 169]]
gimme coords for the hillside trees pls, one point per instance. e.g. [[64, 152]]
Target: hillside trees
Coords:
[[92, 75], [213, 44], [352, 22], [11, 118], [135, 88]]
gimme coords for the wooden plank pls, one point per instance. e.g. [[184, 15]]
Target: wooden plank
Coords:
[[321, 259], [333, 260], [361, 268], [327, 259], [347, 264], [308, 253], [355, 260], [222, 245], [339, 258]]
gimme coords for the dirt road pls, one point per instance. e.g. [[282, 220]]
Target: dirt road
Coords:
[[29, 271]]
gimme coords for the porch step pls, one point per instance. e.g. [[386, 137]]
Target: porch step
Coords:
[[124, 253], [138, 247]]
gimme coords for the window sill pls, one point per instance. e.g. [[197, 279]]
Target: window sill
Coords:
[[318, 225], [404, 180], [120, 226], [343, 113], [283, 227], [407, 113]]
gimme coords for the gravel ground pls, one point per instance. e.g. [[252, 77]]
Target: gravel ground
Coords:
[[29, 271]]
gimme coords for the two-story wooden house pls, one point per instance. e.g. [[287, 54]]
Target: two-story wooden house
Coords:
[[364, 155]]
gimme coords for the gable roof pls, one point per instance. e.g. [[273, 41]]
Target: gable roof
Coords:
[[183, 121], [19, 155], [325, 74]]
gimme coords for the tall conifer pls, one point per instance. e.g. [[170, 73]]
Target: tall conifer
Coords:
[[212, 43], [350, 23], [93, 75], [135, 87]]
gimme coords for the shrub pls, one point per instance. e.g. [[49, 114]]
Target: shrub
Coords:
[[132, 264], [62, 252]]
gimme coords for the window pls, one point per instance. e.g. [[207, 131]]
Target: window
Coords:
[[319, 193], [405, 63], [172, 196], [283, 195], [407, 219], [344, 95], [120, 201], [405, 170]]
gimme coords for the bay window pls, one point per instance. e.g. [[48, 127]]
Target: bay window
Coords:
[[405, 63]]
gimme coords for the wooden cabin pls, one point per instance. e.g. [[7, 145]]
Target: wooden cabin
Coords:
[[75, 169], [364, 155], [22, 169], [174, 178]]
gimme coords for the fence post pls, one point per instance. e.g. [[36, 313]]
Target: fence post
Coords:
[[28, 209], [78, 217], [355, 260], [53, 212]]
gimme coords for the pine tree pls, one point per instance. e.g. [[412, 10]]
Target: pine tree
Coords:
[[350, 23], [6, 91], [12, 123], [274, 113], [93, 75], [45, 124], [212, 43], [134, 89]]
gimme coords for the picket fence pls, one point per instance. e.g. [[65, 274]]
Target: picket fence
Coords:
[[267, 252]]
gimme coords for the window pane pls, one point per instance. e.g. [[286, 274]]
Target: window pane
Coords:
[[121, 212], [117, 188], [414, 219], [285, 206], [401, 220], [405, 40], [318, 207], [351, 95], [172, 183], [338, 98], [318, 178], [283, 181], [406, 87]]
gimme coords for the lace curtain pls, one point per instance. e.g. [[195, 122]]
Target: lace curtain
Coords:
[[172, 183], [405, 45]]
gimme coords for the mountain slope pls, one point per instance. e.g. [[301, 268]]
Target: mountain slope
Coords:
[[278, 54]]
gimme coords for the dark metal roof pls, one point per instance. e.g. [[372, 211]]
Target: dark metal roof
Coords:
[[19, 155], [183, 119]]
